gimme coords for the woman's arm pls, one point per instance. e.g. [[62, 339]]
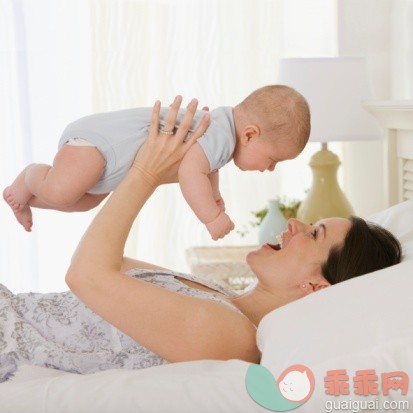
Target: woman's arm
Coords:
[[130, 263], [174, 326]]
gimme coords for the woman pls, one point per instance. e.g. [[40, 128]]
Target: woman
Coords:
[[152, 316]]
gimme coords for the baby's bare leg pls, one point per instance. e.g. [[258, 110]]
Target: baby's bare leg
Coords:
[[23, 214], [17, 196], [75, 170], [62, 186], [86, 203]]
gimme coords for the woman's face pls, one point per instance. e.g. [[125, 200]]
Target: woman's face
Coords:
[[304, 248]]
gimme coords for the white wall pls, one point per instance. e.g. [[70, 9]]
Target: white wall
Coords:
[[364, 29], [402, 49]]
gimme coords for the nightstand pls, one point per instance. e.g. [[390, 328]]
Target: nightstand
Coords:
[[226, 266]]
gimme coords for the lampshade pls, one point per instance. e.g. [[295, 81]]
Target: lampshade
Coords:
[[334, 88]]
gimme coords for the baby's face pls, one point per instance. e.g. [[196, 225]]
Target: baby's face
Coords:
[[263, 154]]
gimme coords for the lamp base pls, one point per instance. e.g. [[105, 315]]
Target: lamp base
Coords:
[[325, 198]]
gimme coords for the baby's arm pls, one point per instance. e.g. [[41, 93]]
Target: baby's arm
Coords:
[[197, 189], [214, 179]]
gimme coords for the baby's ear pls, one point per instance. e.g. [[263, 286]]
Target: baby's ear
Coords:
[[250, 132]]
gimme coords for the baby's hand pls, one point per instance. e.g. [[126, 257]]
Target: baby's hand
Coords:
[[220, 226]]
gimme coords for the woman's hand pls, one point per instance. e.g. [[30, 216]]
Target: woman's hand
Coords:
[[159, 157]]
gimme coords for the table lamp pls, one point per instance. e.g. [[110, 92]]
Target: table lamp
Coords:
[[334, 88]]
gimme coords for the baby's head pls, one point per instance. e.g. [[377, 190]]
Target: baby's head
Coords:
[[272, 125]]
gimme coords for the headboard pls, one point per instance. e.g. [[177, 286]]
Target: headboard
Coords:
[[397, 119]]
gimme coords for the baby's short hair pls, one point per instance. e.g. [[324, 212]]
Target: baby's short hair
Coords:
[[280, 110]]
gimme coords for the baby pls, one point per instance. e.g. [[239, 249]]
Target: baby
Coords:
[[95, 152]]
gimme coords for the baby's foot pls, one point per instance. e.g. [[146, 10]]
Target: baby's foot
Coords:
[[22, 212]]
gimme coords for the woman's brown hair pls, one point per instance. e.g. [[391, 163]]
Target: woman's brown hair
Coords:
[[367, 247]]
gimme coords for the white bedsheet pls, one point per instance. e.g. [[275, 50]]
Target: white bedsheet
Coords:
[[204, 386]]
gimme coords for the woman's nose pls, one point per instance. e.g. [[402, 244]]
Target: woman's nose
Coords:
[[294, 226]]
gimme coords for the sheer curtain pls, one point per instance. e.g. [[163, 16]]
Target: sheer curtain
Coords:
[[64, 59], [45, 83]]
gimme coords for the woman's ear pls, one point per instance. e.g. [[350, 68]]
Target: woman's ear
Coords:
[[249, 133], [319, 285], [316, 282]]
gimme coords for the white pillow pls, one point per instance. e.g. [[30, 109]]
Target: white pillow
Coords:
[[363, 323], [399, 220]]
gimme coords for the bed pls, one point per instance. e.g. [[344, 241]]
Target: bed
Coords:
[[355, 340]]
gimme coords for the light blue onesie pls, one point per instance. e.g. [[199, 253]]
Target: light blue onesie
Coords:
[[119, 135]]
